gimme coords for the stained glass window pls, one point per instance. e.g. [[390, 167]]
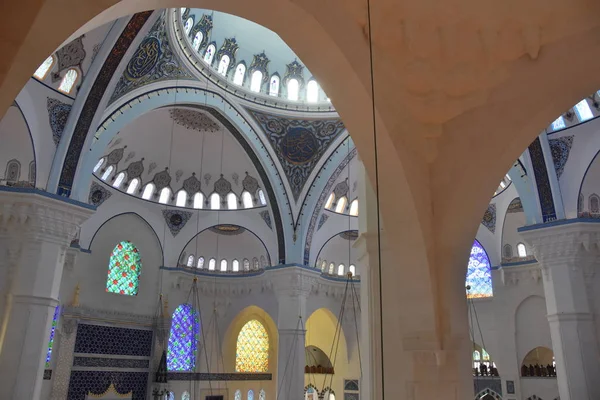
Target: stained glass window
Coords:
[[185, 326], [51, 340], [197, 41], [559, 123], [262, 395], [238, 395], [479, 274], [250, 394], [238, 77], [185, 396], [252, 350], [274, 86], [124, 269]]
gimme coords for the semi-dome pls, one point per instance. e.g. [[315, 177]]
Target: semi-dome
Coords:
[[182, 156], [247, 59]]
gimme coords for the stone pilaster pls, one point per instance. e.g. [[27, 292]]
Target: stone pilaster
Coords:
[[292, 287], [38, 229], [568, 255], [62, 371]]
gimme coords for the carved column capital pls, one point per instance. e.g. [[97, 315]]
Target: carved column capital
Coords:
[[294, 282]]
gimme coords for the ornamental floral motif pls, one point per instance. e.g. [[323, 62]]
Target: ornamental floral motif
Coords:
[[194, 120], [124, 269]]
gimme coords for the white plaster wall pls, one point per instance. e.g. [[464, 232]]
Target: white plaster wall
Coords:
[[16, 143], [511, 236]]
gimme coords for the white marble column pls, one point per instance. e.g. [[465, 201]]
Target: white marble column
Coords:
[[43, 228], [568, 255], [292, 287]]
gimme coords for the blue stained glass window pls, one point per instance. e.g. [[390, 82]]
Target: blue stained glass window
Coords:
[[185, 326], [479, 273], [51, 340], [250, 394]]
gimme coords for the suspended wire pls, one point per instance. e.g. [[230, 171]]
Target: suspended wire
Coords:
[[375, 154], [289, 357]]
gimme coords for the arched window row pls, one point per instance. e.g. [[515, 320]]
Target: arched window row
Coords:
[[180, 199], [335, 269], [483, 365], [233, 266], [70, 78], [584, 110], [341, 205], [255, 80]]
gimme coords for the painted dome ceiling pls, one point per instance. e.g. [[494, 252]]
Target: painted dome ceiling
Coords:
[[180, 148]]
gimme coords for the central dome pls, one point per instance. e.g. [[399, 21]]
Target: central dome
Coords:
[[247, 59]]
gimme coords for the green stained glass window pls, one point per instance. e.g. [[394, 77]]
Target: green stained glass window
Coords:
[[124, 269], [252, 350]]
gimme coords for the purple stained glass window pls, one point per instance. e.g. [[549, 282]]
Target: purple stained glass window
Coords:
[[479, 273], [51, 340], [185, 326]]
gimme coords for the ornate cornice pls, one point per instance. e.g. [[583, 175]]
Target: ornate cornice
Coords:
[[512, 276], [31, 215], [112, 316]]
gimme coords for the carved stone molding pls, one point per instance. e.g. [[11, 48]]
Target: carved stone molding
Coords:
[[513, 276], [34, 216], [81, 313], [294, 282]]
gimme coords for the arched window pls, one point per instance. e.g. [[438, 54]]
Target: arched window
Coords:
[[252, 350], [200, 264], [255, 264], [107, 173], [594, 204], [341, 205], [292, 89], [246, 265], [521, 250], [330, 201], [44, 68], [312, 91], [165, 194], [215, 201], [223, 65], [479, 274], [133, 185], [331, 396], [190, 261], [209, 54], [171, 396], [198, 200], [262, 395], [250, 395], [331, 268], [124, 268], [188, 25], [353, 270], [223, 265], [68, 81], [274, 85], [247, 200], [197, 40], [99, 164], [507, 251], [238, 395], [261, 197], [181, 198], [185, 396], [354, 207], [583, 110], [484, 355], [231, 201], [212, 264], [51, 340], [238, 76], [148, 191], [341, 269], [256, 81], [185, 328], [119, 180], [559, 123], [235, 266], [263, 262], [323, 265]]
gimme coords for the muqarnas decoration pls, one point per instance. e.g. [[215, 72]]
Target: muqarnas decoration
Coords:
[[489, 218], [298, 143], [560, 149], [176, 220], [153, 61], [98, 194]]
